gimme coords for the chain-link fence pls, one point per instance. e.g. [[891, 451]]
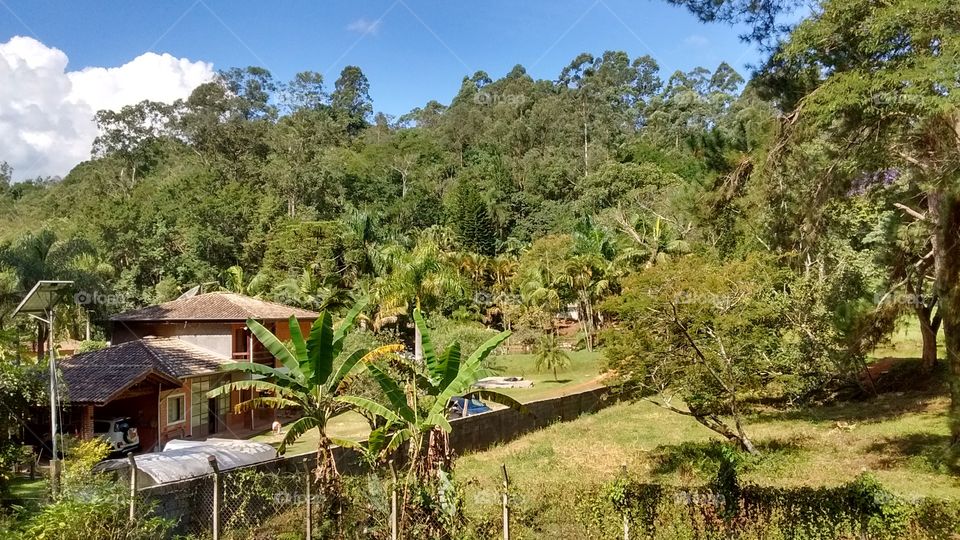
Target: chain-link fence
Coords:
[[252, 502], [268, 503]]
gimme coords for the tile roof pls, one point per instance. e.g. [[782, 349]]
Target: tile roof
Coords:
[[99, 376], [215, 306]]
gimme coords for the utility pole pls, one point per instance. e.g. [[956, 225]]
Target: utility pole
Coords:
[[54, 459], [41, 302]]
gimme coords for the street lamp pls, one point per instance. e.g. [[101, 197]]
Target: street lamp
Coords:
[[39, 303]]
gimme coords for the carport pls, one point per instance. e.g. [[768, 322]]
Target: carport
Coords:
[[108, 391]]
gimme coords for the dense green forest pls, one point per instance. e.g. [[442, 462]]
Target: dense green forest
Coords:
[[721, 237]]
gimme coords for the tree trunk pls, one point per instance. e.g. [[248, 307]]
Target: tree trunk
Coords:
[[582, 314], [41, 340], [738, 437], [417, 343], [328, 477], [944, 212], [929, 326]]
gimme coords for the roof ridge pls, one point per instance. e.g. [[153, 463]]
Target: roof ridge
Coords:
[[158, 363], [232, 297]]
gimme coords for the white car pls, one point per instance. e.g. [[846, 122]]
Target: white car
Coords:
[[119, 433]]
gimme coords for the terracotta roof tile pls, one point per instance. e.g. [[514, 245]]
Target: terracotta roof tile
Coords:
[[98, 376], [215, 306]]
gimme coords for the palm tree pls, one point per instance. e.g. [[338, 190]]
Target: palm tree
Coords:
[[421, 276], [550, 355], [650, 243], [423, 410], [585, 275], [313, 291], [234, 280], [501, 271], [41, 255], [307, 381]]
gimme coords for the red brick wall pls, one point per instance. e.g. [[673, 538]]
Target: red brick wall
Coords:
[[177, 430]]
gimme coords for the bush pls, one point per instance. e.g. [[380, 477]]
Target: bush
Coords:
[[470, 335], [860, 509], [91, 505]]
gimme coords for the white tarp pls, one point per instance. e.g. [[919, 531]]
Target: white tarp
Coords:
[[182, 459]]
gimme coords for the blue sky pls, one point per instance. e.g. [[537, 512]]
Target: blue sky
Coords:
[[411, 50]]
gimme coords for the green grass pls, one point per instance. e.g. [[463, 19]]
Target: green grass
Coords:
[[349, 425], [905, 342], [23, 489], [585, 368], [581, 375], [901, 439]]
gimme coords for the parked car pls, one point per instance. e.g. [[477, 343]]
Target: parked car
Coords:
[[119, 433], [474, 406]]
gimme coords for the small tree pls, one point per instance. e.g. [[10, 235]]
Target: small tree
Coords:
[[550, 355], [308, 382], [416, 405], [702, 333]]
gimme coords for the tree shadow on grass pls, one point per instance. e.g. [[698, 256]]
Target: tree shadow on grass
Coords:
[[704, 458], [880, 408], [926, 452], [556, 381]]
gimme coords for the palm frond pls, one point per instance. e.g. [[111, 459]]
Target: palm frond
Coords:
[[450, 363], [259, 386], [429, 354], [439, 419], [320, 349], [299, 344], [272, 344], [295, 430], [347, 323], [253, 368], [497, 397], [484, 350], [371, 407], [394, 393], [266, 402]]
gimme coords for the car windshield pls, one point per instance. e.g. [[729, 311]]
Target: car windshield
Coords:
[[100, 426]]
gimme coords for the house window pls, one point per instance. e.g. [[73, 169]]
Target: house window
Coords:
[[200, 411], [176, 409]]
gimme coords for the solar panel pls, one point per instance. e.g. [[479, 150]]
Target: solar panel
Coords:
[[43, 296]]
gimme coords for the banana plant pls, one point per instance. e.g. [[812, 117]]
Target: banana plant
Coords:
[[409, 416], [309, 381]]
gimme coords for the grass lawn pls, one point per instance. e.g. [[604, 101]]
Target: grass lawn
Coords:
[[581, 375], [28, 493], [899, 438], [905, 342], [348, 426]]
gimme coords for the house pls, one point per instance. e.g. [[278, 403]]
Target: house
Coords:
[[162, 361]]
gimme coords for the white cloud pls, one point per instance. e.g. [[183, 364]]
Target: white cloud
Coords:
[[46, 112], [363, 26], [696, 40]]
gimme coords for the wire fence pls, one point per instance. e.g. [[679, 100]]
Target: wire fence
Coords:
[[242, 503]]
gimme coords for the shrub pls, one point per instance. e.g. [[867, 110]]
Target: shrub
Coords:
[[91, 505]]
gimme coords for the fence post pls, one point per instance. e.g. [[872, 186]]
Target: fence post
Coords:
[[393, 503], [309, 478], [506, 503], [133, 487], [216, 496], [626, 515]]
